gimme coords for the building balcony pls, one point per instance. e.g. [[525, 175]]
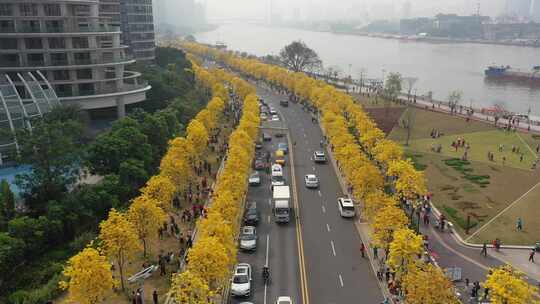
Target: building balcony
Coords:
[[97, 28]]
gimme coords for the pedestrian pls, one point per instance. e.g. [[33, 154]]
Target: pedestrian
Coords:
[[155, 297], [484, 250], [521, 157], [519, 224], [133, 298], [503, 160], [531, 255], [486, 293], [375, 252], [426, 218], [362, 250]]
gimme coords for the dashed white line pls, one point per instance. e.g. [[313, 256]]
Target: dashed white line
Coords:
[[269, 202], [340, 280], [269, 219], [305, 135], [313, 168], [323, 209], [333, 248], [319, 192], [328, 227]]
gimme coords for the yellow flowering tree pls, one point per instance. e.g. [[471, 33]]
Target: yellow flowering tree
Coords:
[[147, 217], [389, 219], [188, 288], [208, 259], [160, 187], [405, 248], [508, 286], [417, 290], [88, 277], [120, 241]]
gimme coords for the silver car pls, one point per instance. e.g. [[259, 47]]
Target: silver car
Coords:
[[254, 179], [241, 281], [311, 181], [248, 238]]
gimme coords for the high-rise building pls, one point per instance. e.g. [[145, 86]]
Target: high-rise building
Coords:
[[535, 10], [77, 50], [136, 21]]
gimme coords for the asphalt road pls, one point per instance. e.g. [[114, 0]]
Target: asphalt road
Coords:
[[336, 273], [277, 243]]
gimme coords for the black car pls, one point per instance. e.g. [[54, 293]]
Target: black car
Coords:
[[252, 215], [284, 103]]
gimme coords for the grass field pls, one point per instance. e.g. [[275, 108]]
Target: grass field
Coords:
[[480, 144], [480, 188]]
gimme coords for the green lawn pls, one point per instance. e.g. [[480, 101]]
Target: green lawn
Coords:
[[481, 143], [425, 121]]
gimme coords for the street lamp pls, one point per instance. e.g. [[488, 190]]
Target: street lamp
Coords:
[[383, 72]]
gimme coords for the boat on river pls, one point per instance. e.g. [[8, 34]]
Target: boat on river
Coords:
[[507, 72]]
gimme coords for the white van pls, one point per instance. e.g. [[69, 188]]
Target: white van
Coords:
[[277, 175], [346, 207]]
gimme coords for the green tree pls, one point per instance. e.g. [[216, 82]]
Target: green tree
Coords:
[[8, 200], [52, 150], [298, 57], [11, 251], [392, 85]]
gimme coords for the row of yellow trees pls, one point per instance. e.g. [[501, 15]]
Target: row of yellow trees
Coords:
[[214, 253], [367, 160], [124, 235]]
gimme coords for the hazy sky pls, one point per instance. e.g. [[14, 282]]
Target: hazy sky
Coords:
[[344, 9]]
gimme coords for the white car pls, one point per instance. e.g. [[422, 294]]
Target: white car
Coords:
[[275, 117], [319, 157], [284, 300], [273, 111], [248, 238], [241, 281], [255, 179], [346, 207], [264, 116], [311, 181]]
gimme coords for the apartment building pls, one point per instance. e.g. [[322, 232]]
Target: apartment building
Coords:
[[78, 50]]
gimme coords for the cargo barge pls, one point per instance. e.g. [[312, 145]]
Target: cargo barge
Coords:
[[507, 72]]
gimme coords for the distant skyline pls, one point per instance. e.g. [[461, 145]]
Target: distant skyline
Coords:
[[348, 9]]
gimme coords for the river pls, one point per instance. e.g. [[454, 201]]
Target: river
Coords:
[[439, 67]]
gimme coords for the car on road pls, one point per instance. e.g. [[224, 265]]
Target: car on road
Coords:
[[275, 117], [264, 116], [311, 181], [284, 103], [266, 137], [283, 147], [280, 157], [248, 238], [277, 175], [319, 157], [346, 207], [254, 179], [284, 300], [259, 164], [258, 145], [252, 215], [241, 281], [273, 111]]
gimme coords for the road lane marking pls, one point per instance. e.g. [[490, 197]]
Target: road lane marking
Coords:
[[299, 240], [333, 248], [323, 209], [267, 248], [319, 192], [340, 280], [265, 290], [313, 168], [269, 219], [269, 202], [305, 135], [328, 227]]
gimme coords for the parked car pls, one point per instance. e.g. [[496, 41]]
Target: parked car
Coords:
[[248, 238], [346, 207], [283, 147], [255, 179], [252, 215], [311, 181], [319, 157], [241, 281]]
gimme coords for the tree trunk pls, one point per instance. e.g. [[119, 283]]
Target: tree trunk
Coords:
[[121, 270], [144, 247]]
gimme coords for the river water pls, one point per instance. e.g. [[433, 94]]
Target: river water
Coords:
[[439, 67]]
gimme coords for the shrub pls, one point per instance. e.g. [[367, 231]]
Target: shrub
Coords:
[[457, 219], [39, 295]]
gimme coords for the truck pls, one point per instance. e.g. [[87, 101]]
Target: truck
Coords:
[[282, 204]]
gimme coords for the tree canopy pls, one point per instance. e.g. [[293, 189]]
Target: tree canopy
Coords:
[[298, 57]]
